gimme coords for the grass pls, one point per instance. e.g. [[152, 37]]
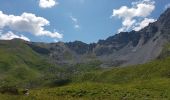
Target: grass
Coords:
[[155, 69], [150, 81], [157, 89], [20, 65]]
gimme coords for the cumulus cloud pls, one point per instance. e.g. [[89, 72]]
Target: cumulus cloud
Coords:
[[140, 9], [143, 24], [27, 22], [47, 3], [75, 21], [10, 35]]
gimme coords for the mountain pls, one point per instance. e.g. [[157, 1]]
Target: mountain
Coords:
[[76, 70], [139, 82], [36, 63], [125, 48]]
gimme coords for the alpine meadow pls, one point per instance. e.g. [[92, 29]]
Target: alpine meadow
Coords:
[[66, 50]]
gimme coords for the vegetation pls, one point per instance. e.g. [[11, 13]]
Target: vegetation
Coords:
[[147, 81], [79, 82], [21, 66]]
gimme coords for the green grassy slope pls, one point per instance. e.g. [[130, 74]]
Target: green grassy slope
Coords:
[[149, 81], [155, 69], [20, 64]]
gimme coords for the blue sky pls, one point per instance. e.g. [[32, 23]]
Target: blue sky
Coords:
[[70, 20]]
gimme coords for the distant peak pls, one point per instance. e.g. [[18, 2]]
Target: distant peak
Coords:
[[165, 16]]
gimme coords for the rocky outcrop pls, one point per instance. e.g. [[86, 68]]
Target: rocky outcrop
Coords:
[[125, 48]]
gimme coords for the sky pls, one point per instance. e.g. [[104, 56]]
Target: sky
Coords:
[[71, 20]]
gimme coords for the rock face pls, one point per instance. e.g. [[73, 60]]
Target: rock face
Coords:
[[125, 48]]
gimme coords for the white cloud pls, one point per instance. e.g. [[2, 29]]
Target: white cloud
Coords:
[[140, 9], [167, 6], [10, 35], [47, 3], [27, 22], [55, 40], [75, 21], [143, 24]]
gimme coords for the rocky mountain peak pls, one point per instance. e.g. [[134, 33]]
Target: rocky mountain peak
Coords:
[[126, 48], [165, 17]]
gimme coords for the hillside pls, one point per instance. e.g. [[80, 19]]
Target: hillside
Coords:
[[20, 65], [147, 81], [129, 65]]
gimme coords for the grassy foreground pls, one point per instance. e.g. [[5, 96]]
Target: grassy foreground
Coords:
[[157, 89], [149, 81]]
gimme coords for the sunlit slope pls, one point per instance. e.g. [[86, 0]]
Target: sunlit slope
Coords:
[[148, 81], [19, 63]]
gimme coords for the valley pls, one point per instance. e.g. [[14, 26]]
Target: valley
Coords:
[[131, 65]]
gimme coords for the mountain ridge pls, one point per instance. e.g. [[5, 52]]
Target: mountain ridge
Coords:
[[125, 48], [31, 65]]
